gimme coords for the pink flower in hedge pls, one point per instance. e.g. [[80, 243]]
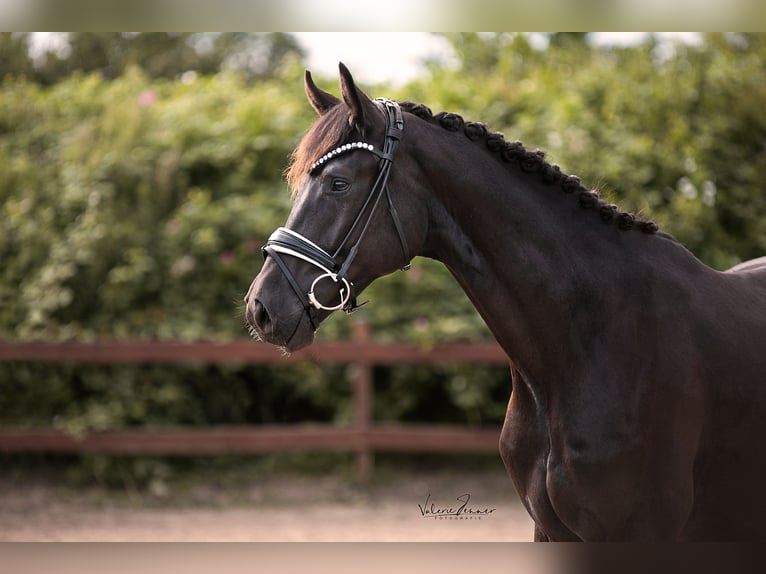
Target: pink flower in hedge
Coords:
[[173, 226], [421, 324], [226, 257], [183, 266], [147, 98], [415, 274]]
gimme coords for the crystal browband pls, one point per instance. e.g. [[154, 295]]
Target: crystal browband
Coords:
[[343, 149]]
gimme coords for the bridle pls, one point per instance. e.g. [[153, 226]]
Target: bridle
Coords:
[[285, 241]]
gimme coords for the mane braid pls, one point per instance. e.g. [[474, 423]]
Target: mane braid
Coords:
[[533, 162]]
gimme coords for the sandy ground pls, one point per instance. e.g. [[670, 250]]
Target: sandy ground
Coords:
[[283, 508]]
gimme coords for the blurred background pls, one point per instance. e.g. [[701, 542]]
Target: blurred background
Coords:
[[140, 174]]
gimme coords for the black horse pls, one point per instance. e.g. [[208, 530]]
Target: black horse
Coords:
[[638, 401]]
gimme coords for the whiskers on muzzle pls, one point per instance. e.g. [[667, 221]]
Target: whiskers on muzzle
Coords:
[[253, 333]]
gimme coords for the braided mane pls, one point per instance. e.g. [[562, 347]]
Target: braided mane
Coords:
[[333, 128], [533, 162]]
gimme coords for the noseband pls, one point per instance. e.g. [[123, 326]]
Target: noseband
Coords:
[[285, 241]]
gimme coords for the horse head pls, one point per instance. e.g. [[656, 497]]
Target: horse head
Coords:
[[354, 217]]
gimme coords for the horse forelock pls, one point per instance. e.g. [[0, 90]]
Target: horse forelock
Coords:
[[328, 132]]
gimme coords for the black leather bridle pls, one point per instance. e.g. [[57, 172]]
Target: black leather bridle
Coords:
[[285, 241]]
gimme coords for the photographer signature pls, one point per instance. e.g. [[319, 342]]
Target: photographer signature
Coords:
[[429, 510]]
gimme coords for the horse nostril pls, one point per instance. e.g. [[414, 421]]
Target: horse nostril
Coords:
[[261, 316]]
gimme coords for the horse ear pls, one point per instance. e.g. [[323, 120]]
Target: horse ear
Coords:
[[359, 103], [320, 100]]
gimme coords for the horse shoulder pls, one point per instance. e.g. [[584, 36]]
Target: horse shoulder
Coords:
[[524, 449], [610, 475]]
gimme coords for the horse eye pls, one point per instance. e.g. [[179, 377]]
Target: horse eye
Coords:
[[340, 185]]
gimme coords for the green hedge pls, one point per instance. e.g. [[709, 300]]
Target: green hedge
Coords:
[[136, 208]]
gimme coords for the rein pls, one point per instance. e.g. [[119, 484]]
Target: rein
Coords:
[[285, 241]]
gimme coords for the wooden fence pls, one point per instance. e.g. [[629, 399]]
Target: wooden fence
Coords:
[[363, 436]]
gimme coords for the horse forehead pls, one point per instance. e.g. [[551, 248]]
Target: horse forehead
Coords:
[[302, 201]]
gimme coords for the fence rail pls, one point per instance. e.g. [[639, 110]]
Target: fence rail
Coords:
[[260, 439], [363, 436], [350, 352]]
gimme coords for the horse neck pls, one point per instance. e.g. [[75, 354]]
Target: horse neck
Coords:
[[542, 271]]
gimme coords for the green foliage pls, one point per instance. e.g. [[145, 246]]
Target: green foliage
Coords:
[[161, 55], [469, 394], [78, 399], [133, 209], [136, 208]]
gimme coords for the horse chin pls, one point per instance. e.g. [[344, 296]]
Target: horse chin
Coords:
[[302, 337], [292, 339]]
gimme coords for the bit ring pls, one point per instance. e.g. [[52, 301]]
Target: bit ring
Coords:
[[345, 292]]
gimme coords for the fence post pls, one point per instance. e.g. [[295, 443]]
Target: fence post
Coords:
[[361, 376]]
